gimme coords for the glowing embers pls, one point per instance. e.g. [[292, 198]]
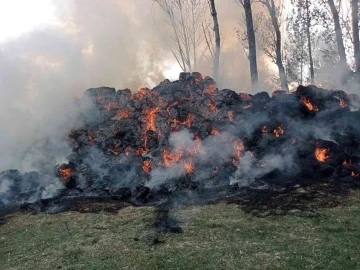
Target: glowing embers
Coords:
[[113, 148], [238, 151], [264, 129], [187, 122], [123, 114], [150, 119], [189, 166], [354, 174], [210, 90], [169, 159], [278, 131], [212, 106], [322, 154], [146, 165], [65, 173], [342, 103], [141, 93], [346, 162], [306, 101], [112, 105]]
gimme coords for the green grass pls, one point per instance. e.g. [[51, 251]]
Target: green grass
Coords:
[[217, 236]]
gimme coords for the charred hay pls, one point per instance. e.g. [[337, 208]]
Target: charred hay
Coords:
[[187, 142]]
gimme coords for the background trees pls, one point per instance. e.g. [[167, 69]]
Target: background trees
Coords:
[[308, 41]]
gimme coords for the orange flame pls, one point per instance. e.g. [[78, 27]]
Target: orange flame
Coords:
[[308, 103], [210, 90], [189, 166], [65, 173], [187, 122], [345, 162], [150, 119], [111, 105], [146, 166], [114, 150], [212, 106], [123, 114], [278, 131], [141, 92], [169, 159], [140, 151], [322, 154], [342, 103], [354, 174], [239, 148], [231, 116]]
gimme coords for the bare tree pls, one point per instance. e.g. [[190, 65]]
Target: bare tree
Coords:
[[274, 12], [308, 34], [250, 34], [183, 22], [339, 38], [216, 53], [355, 28]]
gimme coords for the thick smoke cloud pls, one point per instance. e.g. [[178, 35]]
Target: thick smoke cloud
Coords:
[[96, 44]]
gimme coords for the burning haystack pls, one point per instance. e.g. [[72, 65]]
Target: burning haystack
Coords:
[[187, 139]]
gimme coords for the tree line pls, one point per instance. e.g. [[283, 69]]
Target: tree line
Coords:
[[309, 41]]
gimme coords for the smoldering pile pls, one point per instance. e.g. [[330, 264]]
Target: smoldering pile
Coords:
[[187, 139]]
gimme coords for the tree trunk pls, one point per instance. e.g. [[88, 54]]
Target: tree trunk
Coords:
[[217, 40], [252, 43], [274, 20], [308, 26], [355, 27], [339, 40]]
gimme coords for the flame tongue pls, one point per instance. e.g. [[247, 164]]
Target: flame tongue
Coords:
[[322, 154], [65, 173], [189, 166], [146, 166], [278, 131], [306, 101]]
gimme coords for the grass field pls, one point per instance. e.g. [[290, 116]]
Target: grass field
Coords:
[[219, 236]]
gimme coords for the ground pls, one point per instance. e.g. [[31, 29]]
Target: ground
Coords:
[[216, 236]]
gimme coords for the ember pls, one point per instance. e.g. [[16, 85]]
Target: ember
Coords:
[[169, 159], [322, 154], [278, 131], [65, 173], [189, 166], [146, 166], [342, 103], [306, 101]]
